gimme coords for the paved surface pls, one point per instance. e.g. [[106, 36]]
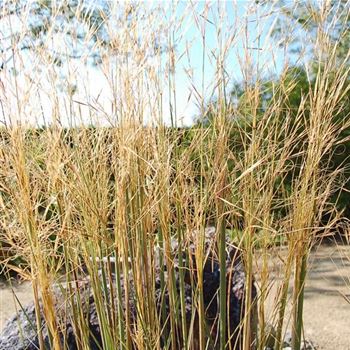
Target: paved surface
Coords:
[[327, 298], [8, 303], [326, 311]]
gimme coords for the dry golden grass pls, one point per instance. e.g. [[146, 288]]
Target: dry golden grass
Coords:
[[72, 195]]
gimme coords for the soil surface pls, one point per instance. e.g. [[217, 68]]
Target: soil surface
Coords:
[[326, 305]]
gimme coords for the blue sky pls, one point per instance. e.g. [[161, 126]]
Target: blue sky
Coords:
[[246, 24], [252, 33]]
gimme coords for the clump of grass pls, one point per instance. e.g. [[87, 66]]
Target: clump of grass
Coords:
[[71, 196]]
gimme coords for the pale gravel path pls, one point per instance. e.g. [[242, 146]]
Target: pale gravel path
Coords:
[[326, 313], [23, 292]]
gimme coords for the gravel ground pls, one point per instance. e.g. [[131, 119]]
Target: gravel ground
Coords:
[[326, 311], [8, 303]]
